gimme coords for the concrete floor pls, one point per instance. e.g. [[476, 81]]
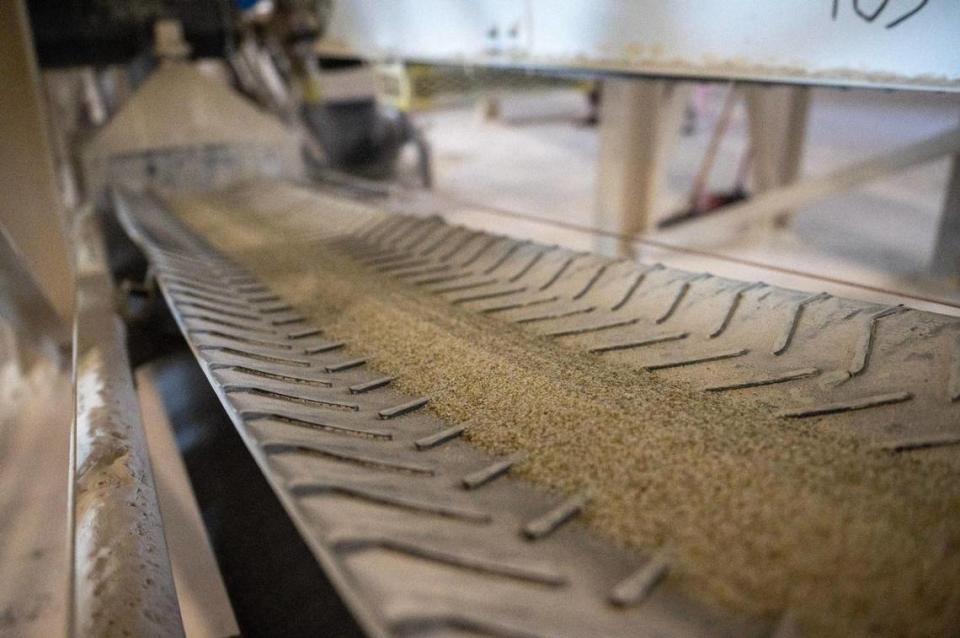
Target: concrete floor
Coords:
[[539, 159]]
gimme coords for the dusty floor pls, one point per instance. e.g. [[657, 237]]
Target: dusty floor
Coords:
[[757, 515]]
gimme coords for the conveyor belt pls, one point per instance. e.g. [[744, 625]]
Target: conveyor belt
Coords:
[[887, 373], [424, 533], [890, 374], [421, 532]]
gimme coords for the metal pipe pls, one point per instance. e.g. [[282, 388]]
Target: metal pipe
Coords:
[[121, 579]]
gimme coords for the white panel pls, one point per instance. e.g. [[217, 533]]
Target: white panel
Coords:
[[883, 43]]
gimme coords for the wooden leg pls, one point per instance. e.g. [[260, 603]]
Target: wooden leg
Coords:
[[946, 255], [778, 123], [639, 120], [488, 108]]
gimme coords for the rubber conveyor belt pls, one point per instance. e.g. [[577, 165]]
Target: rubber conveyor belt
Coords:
[[422, 532]]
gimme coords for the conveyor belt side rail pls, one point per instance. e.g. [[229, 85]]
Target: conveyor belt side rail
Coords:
[[121, 579]]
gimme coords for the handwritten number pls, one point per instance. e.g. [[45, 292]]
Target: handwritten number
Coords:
[[907, 16], [870, 17]]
